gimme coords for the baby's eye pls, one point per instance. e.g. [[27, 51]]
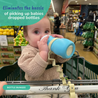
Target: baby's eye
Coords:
[[36, 32], [47, 31]]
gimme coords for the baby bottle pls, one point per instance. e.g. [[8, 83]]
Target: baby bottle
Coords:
[[61, 46]]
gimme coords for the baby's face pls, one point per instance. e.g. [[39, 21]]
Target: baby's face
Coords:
[[37, 31]]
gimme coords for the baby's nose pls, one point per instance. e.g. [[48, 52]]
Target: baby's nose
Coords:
[[43, 35]]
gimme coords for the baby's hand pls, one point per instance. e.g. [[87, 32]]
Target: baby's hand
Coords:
[[42, 44], [57, 35], [43, 48]]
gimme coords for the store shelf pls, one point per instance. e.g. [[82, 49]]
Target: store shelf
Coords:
[[6, 51], [7, 58], [96, 45], [17, 54], [1, 65], [71, 17], [10, 44], [17, 46], [10, 35]]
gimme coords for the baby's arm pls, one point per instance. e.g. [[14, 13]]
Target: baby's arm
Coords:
[[35, 64], [32, 64]]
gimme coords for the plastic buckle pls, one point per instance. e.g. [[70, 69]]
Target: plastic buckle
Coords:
[[72, 90]]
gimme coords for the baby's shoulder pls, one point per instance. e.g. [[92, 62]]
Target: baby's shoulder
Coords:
[[29, 50]]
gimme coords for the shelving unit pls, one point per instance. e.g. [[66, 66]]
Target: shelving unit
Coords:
[[71, 17], [95, 50], [89, 34], [9, 54]]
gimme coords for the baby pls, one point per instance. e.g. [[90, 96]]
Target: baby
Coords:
[[34, 58]]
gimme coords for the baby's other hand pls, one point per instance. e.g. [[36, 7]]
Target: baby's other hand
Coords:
[[57, 35]]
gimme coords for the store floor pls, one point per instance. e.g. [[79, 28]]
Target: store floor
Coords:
[[88, 55]]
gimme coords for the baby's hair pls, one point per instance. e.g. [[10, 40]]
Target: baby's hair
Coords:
[[25, 32]]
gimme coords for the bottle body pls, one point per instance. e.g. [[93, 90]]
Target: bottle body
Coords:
[[62, 47]]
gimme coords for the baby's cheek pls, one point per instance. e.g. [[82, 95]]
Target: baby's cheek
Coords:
[[35, 43], [37, 39]]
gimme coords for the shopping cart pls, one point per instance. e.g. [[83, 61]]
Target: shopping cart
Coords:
[[78, 39], [11, 73], [79, 67], [75, 67]]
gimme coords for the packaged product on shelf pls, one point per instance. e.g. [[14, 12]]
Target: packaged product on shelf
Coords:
[[92, 26], [11, 55], [96, 45], [4, 55], [96, 39], [8, 61], [91, 35], [5, 62], [83, 34], [89, 26], [7, 55], [6, 48], [17, 51], [88, 34], [10, 40], [10, 48], [88, 42], [85, 26], [85, 42], [16, 58], [3, 48]]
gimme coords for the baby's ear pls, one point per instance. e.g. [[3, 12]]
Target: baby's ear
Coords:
[[26, 37]]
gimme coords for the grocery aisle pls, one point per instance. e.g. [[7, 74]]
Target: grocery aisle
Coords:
[[89, 56]]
